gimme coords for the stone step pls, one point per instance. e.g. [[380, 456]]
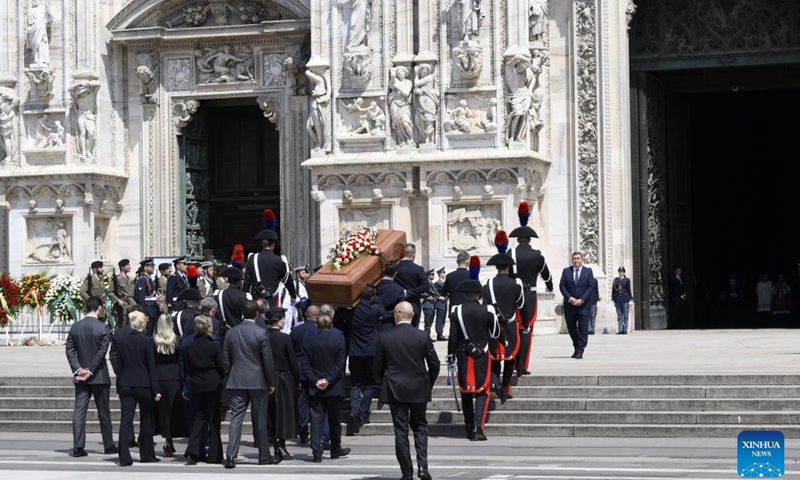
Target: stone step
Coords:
[[538, 380], [457, 430]]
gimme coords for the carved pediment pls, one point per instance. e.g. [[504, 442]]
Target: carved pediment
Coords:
[[188, 14]]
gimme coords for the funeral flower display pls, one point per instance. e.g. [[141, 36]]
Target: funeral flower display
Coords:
[[34, 288], [354, 245], [63, 299], [9, 299]]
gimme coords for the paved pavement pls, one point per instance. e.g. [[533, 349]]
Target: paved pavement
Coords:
[[687, 352], [45, 456]]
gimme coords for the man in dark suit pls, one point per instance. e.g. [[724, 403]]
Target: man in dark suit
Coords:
[[677, 299], [406, 385], [184, 320], [530, 265], [86, 346], [412, 278], [144, 290], [592, 306], [576, 287], [231, 299], [389, 293], [177, 283], [251, 378], [266, 270], [323, 369], [298, 336], [454, 279]]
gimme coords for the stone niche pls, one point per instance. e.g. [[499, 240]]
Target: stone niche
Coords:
[[48, 240], [361, 124], [354, 217], [45, 142], [471, 227], [470, 120]]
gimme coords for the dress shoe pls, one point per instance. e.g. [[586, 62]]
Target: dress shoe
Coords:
[[167, 452], [624, 332], [317, 458], [406, 477], [364, 421], [523, 372], [591, 333], [578, 356], [229, 463], [111, 450], [574, 355], [79, 452], [503, 397], [304, 438], [133, 444], [282, 454], [342, 452], [128, 464], [152, 460], [441, 337], [325, 444], [424, 474], [269, 461], [191, 459], [479, 435]]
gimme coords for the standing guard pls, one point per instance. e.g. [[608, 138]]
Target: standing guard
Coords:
[[440, 306], [92, 285], [507, 296], [530, 264], [177, 283], [231, 300], [164, 271], [120, 290], [206, 284], [472, 326], [267, 272], [145, 292], [300, 304]]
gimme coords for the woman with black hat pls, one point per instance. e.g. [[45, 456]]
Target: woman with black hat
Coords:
[[282, 422]]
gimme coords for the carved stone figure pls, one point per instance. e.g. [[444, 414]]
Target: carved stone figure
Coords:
[[223, 66], [400, 106], [183, 112], [520, 82], [48, 241], [471, 18], [360, 66], [42, 130], [251, 12], [470, 59], [359, 26], [42, 81], [84, 96], [539, 14], [293, 73], [191, 213], [57, 135], [630, 11], [490, 122], [469, 229], [194, 244], [38, 27], [426, 98], [219, 10], [9, 124], [373, 121], [270, 107], [458, 118], [317, 124], [145, 76], [189, 186]]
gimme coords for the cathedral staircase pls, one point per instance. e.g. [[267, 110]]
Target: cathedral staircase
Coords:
[[580, 406]]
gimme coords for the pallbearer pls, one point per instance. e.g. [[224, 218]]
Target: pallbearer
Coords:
[[530, 264], [472, 326], [506, 294]]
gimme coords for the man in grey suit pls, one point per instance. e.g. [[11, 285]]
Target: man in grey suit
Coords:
[[87, 344], [251, 378]]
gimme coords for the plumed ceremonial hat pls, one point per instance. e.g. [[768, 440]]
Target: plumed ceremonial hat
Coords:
[[470, 286], [97, 264], [190, 294], [501, 260], [147, 261], [267, 235], [231, 273], [523, 232]]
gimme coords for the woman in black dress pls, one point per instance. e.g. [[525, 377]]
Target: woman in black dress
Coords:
[[205, 367], [167, 345], [282, 403]]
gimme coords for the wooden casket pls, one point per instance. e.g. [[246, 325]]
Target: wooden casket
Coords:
[[342, 288]]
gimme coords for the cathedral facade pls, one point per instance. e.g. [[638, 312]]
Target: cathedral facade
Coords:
[[132, 128]]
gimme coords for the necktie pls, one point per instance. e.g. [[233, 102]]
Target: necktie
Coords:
[[576, 276]]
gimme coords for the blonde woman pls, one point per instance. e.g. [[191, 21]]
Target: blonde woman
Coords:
[[167, 346]]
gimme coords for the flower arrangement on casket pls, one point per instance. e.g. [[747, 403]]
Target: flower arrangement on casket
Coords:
[[9, 299], [355, 244], [34, 288], [63, 299]]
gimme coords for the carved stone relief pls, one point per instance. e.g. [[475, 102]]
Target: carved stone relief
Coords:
[[360, 117], [470, 114], [37, 29], [586, 131], [195, 243], [630, 11], [146, 72], [84, 117], [47, 132], [251, 12], [225, 65], [49, 240], [274, 72], [356, 217], [179, 74], [182, 113], [41, 83], [9, 124], [471, 228], [656, 176], [359, 65], [469, 57], [271, 108]]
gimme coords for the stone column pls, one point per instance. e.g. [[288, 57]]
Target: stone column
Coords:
[[86, 37], [404, 32], [296, 221], [427, 31], [8, 41]]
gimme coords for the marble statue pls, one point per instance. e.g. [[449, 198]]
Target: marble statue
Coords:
[[426, 98], [458, 118], [62, 240], [219, 10], [471, 16], [520, 82], [84, 96], [56, 137], [293, 73], [9, 124], [42, 81], [38, 25], [191, 213], [373, 121], [222, 66], [470, 60], [42, 130], [189, 186], [539, 14], [194, 244], [358, 27], [400, 106], [146, 76], [317, 124], [490, 122]]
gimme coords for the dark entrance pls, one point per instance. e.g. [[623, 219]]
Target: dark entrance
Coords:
[[244, 173]]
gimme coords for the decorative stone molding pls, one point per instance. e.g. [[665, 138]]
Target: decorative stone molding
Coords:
[[587, 141], [657, 196], [630, 11], [359, 65], [384, 181], [319, 117], [225, 65], [271, 107], [179, 74], [182, 113], [317, 194], [274, 74]]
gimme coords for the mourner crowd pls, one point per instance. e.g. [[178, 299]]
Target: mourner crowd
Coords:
[[187, 356]]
